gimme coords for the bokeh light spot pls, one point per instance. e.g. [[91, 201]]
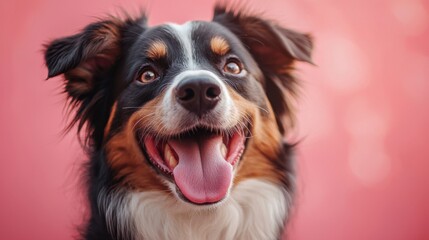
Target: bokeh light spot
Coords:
[[368, 124], [411, 15], [368, 164], [345, 65]]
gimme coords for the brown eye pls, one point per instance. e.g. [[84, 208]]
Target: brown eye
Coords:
[[148, 76], [232, 67]]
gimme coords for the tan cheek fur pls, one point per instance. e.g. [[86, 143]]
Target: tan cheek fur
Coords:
[[125, 156], [263, 146]]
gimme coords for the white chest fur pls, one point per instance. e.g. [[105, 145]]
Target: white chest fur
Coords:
[[254, 210]]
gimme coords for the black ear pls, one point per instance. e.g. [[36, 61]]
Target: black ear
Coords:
[[275, 49], [84, 56], [88, 62]]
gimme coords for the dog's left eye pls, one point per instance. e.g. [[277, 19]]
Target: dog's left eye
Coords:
[[148, 75], [233, 66]]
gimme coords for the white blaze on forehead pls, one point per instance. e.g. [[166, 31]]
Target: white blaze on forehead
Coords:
[[184, 35]]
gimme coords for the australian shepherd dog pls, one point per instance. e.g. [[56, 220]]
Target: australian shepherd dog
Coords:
[[184, 124]]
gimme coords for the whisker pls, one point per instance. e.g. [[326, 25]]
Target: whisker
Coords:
[[263, 109]]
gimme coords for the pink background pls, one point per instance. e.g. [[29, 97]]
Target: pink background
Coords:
[[364, 157]]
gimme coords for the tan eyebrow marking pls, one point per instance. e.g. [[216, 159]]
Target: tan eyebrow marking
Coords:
[[157, 50], [219, 45]]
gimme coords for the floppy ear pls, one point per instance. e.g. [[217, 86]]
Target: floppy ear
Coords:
[[275, 49], [84, 56], [87, 61]]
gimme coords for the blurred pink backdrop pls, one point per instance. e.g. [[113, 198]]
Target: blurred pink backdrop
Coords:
[[363, 116]]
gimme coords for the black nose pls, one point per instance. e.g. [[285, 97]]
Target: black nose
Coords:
[[198, 94]]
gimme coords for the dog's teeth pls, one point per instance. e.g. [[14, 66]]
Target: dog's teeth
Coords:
[[223, 150], [167, 152], [172, 161], [169, 157]]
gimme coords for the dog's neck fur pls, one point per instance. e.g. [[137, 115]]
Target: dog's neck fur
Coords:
[[256, 209]]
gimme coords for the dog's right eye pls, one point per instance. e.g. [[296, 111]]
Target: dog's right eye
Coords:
[[148, 75]]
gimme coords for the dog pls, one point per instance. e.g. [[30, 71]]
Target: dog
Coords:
[[184, 124]]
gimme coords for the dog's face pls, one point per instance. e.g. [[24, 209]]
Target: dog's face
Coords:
[[187, 109]]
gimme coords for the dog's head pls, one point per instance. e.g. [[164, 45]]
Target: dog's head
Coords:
[[192, 108]]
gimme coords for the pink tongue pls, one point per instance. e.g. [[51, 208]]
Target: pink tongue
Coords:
[[202, 174]]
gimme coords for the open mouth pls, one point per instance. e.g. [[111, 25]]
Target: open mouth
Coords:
[[200, 161]]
